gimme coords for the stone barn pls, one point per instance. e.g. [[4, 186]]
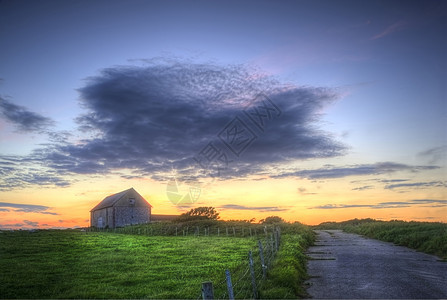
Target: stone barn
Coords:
[[121, 209]]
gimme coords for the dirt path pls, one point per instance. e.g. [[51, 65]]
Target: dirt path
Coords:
[[348, 266]]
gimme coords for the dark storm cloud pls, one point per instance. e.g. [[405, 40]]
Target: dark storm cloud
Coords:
[[157, 118], [23, 119], [357, 170], [153, 120], [28, 208], [391, 204], [257, 208]]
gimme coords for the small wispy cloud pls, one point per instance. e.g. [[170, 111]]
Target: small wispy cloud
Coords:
[[303, 191], [435, 154], [27, 208], [336, 206], [355, 170], [391, 180], [21, 172], [362, 188], [416, 185], [26, 224], [23, 119], [390, 204], [395, 27], [31, 223], [257, 208], [424, 218]]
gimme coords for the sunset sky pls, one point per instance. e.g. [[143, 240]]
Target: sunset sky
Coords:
[[311, 110]]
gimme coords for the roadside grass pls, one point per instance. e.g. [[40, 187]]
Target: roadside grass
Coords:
[[427, 237], [285, 280], [72, 264], [285, 275]]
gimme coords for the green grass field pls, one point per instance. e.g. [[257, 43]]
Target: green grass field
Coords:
[[75, 264], [69, 264], [428, 237]]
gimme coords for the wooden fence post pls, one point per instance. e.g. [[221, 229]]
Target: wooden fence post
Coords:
[[229, 285], [261, 256], [234, 232], [207, 290], [279, 236], [218, 231], [253, 276], [276, 240], [227, 230]]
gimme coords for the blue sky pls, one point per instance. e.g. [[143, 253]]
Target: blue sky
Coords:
[[373, 74]]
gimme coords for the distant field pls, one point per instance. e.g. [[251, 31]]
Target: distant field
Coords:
[[428, 237], [75, 264]]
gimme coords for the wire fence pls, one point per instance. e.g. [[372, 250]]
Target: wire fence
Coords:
[[169, 229], [248, 279]]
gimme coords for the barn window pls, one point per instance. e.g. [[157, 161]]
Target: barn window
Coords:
[[132, 201]]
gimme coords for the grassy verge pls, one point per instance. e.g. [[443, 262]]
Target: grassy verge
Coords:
[[428, 237], [285, 279], [71, 264]]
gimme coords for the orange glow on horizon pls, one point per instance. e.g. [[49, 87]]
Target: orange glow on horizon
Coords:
[[291, 199]]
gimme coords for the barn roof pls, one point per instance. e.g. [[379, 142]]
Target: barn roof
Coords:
[[112, 199]]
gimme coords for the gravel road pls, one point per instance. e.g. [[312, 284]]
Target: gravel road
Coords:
[[349, 266]]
